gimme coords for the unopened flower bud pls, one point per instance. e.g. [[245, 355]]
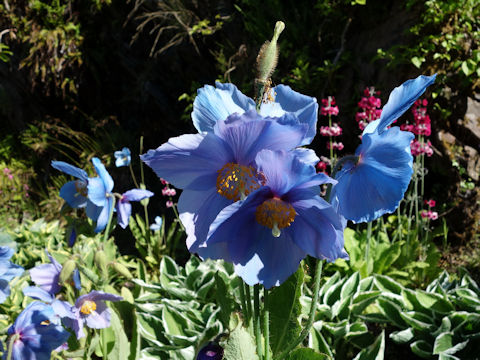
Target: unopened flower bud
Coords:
[[101, 260], [67, 271], [268, 56], [121, 269]]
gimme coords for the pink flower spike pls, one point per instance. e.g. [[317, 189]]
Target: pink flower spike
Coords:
[[165, 191], [434, 215], [169, 204], [163, 181]]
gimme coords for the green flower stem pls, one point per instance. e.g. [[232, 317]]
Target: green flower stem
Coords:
[[142, 177], [244, 302], [311, 315], [330, 138], [260, 93], [133, 175], [266, 329], [249, 305], [104, 343], [399, 218], [110, 216], [367, 248], [12, 340], [258, 335]]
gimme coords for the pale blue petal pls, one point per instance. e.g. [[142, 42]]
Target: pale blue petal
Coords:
[[308, 156], [103, 174], [190, 161], [93, 211], [136, 194], [214, 104], [401, 98], [103, 216], [124, 210], [69, 193], [70, 169], [376, 184], [6, 253], [38, 294]]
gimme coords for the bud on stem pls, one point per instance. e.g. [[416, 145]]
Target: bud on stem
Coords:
[[266, 63]]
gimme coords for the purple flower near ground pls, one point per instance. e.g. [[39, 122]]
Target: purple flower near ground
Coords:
[[100, 196], [215, 169], [375, 181], [91, 310], [211, 351], [46, 276], [35, 334], [274, 228], [124, 208], [61, 309], [73, 192], [8, 271]]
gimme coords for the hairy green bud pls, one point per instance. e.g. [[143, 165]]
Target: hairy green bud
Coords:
[[67, 271], [121, 269], [268, 55]]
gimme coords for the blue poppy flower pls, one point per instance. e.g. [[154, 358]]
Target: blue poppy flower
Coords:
[[90, 309], [211, 351], [124, 208], [8, 271], [46, 276], [274, 228], [35, 333], [123, 157], [157, 225], [217, 168], [73, 192], [375, 183], [61, 309], [100, 196], [214, 104]]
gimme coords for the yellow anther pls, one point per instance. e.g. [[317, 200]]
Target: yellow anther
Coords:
[[236, 181], [275, 214], [88, 307]]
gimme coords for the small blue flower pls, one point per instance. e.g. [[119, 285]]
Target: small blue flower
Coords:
[[35, 333], [211, 351], [274, 228], [376, 183], [91, 310], [73, 192], [61, 309], [124, 208], [217, 168], [100, 196], [157, 225], [122, 157], [8, 271], [214, 104]]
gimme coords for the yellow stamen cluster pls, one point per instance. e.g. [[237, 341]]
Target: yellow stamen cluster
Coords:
[[275, 214], [81, 187], [88, 307], [236, 181]]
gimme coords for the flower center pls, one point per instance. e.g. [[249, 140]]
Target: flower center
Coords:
[[275, 214], [81, 187], [236, 181], [88, 307]]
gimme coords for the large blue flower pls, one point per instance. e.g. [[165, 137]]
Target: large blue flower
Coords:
[[35, 333], [274, 228], [8, 271], [218, 168], [73, 192], [375, 182], [214, 104], [100, 196]]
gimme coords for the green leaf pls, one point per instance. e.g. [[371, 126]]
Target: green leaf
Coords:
[[385, 283], [386, 257], [434, 302], [318, 341], [402, 337], [240, 346], [284, 307], [307, 354], [224, 299], [442, 343], [417, 61], [121, 345], [422, 349], [418, 321], [350, 287], [375, 351], [392, 311], [469, 67]]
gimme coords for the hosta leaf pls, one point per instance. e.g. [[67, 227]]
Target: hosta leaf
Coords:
[[434, 302], [375, 351], [402, 337], [240, 346], [422, 349], [307, 354]]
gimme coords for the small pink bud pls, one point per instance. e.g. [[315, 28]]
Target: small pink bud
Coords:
[[169, 204]]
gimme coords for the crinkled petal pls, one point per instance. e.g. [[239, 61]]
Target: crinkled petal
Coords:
[[318, 229], [214, 104], [136, 194], [97, 193], [376, 184], [254, 133], [100, 318], [63, 309], [70, 170], [124, 210], [401, 98], [70, 194], [308, 156], [305, 108], [189, 161], [197, 211], [46, 277], [103, 174]]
